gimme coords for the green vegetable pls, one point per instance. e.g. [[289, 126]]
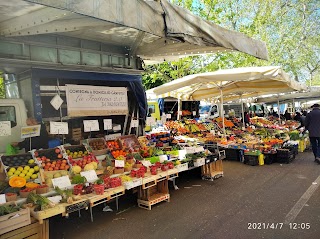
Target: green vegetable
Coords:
[[39, 201], [7, 209], [78, 179]]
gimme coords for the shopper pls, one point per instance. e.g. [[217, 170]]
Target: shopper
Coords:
[[313, 126], [39, 142], [287, 115], [303, 118]]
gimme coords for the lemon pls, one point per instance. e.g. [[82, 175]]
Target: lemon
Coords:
[[25, 171], [32, 170], [29, 174], [17, 172], [36, 168], [27, 177], [34, 176], [26, 168], [10, 174], [12, 170], [31, 161], [20, 169], [22, 175]]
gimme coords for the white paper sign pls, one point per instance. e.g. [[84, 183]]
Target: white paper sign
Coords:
[[30, 131], [2, 198], [59, 128], [90, 175], [190, 150], [85, 100], [194, 113], [91, 125], [200, 162], [159, 122], [112, 136], [117, 128], [180, 112], [182, 154], [5, 128], [199, 149], [213, 132], [134, 123], [146, 163], [119, 163], [61, 182], [168, 116], [150, 121], [55, 199], [56, 102], [107, 124], [163, 158]]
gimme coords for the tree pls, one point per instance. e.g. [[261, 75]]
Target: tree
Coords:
[[289, 28], [2, 88]]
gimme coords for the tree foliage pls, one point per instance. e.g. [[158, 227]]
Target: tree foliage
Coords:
[[2, 88], [290, 28]]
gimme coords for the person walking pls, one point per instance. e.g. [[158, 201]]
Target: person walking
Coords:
[[312, 124]]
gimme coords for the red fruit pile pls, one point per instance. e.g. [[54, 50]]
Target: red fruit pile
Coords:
[[138, 173], [84, 161]]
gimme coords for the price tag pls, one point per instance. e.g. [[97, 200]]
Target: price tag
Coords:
[[2, 198], [199, 149], [253, 127], [5, 128], [213, 132], [61, 182], [30, 131], [59, 128], [159, 122], [200, 162], [168, 116], [112, 136], [119, 163], [243, 128], [107, 124], [180, 112], [163, 158], [146, 163], [55, 199], [163, 119], [134, 123], [182, 154], [190, 150], [90, 175], [117, 128], [91, 125], [150, 121], [194, 113], [56, 102]]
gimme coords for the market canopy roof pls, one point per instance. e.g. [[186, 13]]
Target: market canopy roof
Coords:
[[234, 83], [153, 30]]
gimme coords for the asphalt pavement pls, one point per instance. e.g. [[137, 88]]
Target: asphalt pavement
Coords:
[[271, 201]]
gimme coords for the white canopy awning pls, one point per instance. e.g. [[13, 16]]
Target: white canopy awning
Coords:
[[234, 83], [153, 30]]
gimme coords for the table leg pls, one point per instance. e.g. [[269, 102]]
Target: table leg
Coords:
[[91, 213], [117, 204]]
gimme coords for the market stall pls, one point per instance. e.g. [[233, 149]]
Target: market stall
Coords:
[[228, 85]]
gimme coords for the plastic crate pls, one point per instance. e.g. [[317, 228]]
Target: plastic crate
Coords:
[[233, 154], [252, 160], [270, 158], [286, 159]]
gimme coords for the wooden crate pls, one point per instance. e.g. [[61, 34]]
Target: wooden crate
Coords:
[[212, 170], [33, 231], [50, 212], [153, 195], [14, 220]]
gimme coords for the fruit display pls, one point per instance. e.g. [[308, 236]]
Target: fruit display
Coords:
[[17, 160], [97, 144], [130, 143], [113, 145], [117, 153], [76, 151], [48, 154], [88, 162], [54, 165], [28, 172], [17, 182]]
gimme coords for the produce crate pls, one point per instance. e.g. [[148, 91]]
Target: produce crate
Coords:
[[33, 231], [233, 154], [50, 212], [252, 160], [130, 142], [16, 160], [101, 151], [212, 170], [14, 220], [153, 195], [270, 158]]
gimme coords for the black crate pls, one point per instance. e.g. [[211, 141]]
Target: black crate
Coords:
[[233, 154], [251, 160], [270, 158], [284, 153]]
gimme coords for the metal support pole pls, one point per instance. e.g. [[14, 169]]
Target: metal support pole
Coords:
[[279, 109], [221, 113], [242, 111], [179, 108]]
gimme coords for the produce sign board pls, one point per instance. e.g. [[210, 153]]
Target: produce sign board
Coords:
[[83, 100], [5, 128], [30, 131]]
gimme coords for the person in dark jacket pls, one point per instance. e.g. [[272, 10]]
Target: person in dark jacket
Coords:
[[287, 115], [313, 126], [38, 142]]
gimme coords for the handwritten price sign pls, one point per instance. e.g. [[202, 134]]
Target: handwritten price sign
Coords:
[[91, 125], [107, 123], [5, 128], [59, 128]]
